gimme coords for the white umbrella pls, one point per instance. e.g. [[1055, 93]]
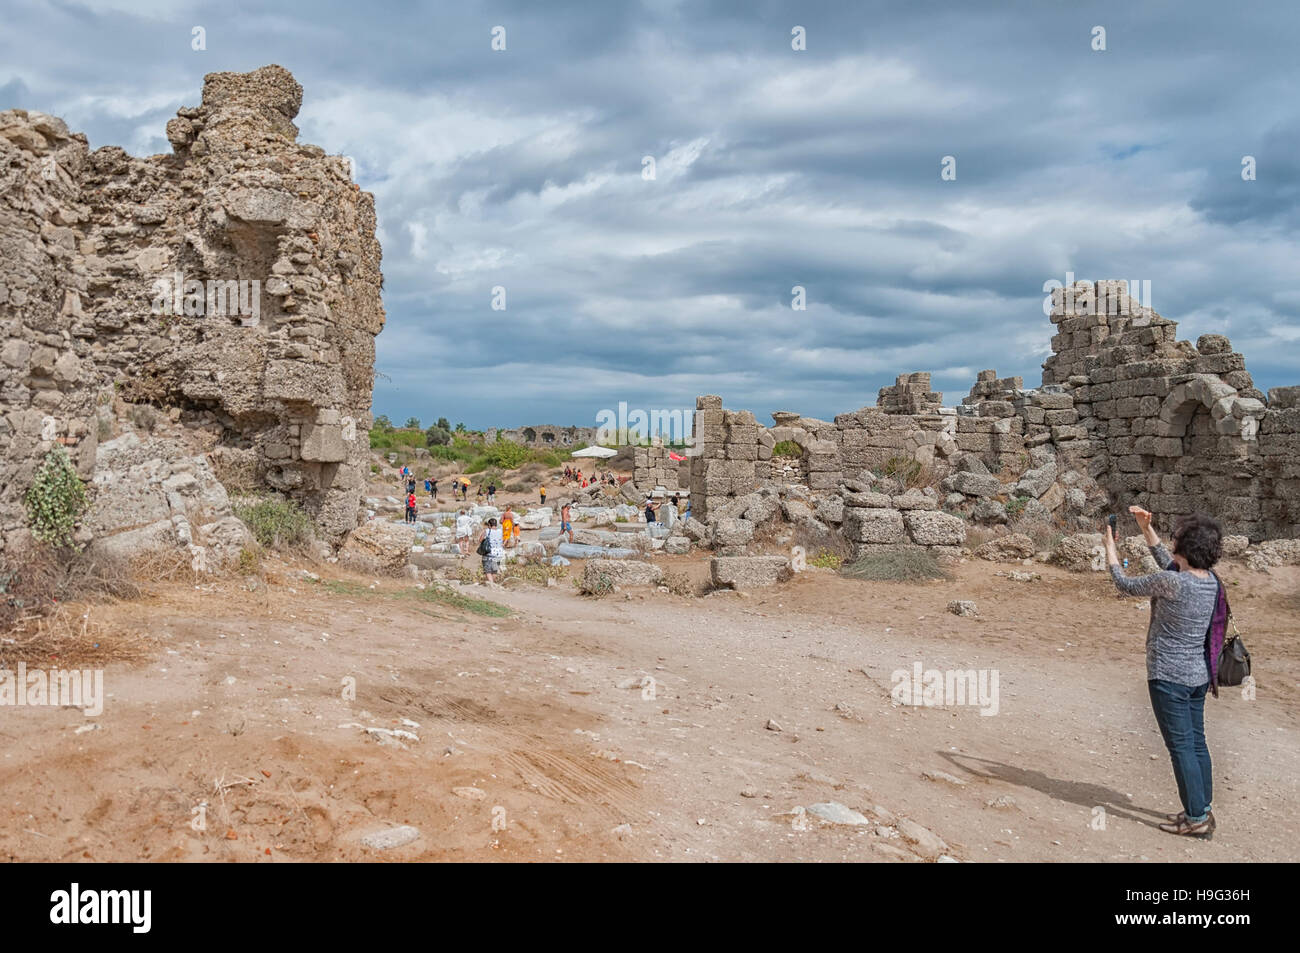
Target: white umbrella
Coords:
[[601, 452]]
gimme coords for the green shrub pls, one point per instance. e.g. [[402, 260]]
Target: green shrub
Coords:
[[787, 449], [390, 439], [506, 454], [250, 561], [825, 559], [56, 499], [898, 564], [451, 453], [447, 596], [1017, 506], [903, 469], [275, 522], [437, 437]]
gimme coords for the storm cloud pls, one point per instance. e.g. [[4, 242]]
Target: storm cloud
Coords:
[[774, 167]]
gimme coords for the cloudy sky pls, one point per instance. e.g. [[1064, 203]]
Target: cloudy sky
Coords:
[[523, 169]]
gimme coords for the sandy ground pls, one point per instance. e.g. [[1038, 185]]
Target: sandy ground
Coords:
[[238, 718]]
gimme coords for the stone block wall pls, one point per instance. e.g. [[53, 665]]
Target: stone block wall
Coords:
[[732, 455], [652, 466], [910, 394]]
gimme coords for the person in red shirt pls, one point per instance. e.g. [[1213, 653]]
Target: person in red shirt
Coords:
[[410, 508]]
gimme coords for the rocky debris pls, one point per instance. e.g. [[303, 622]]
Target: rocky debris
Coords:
[[926, 842], [1138, 554], [1235, 546], [620, 572], [580, 551], [773, 725], [1016, 575], [677, 545], [963, 607], [748, 572], [915, 499], [1036, 482], [151, 494], [833, 812], [1272, 553], [1012, 548], [390, 837], [378, 546], [930, 528], [973, 484], [830, 509], [871, 525], [989, 512], [734, 533], [944, 777], [1082, 552]]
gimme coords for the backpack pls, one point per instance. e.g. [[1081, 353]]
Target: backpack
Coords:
[[484, 546]]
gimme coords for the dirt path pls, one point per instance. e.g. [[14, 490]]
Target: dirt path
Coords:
[[240, 718]]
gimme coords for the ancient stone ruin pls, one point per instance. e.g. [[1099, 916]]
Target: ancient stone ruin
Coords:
[[232, 286], [1126, 413]]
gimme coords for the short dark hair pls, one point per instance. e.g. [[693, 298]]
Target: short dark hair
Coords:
[[1199, 540], [492, 521]]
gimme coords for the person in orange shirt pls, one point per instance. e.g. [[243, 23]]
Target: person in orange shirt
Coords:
[[509, 532]]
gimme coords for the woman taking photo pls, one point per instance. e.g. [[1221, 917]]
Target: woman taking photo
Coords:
[[1183, 598]]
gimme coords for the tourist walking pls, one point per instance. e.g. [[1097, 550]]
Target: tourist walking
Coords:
[[495, 551], [464, 530]]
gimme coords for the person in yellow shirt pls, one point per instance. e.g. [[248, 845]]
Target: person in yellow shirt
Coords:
[[541, 490], [509, 531]]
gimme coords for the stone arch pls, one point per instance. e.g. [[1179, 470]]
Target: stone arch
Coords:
[[529, 435], [1232, 414]]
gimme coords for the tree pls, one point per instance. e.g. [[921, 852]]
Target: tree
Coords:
[[437, 436], [412, 423], [443, 424], [460, 428], [383, 423]]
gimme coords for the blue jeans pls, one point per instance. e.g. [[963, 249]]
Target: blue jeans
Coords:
[[1180, 713]]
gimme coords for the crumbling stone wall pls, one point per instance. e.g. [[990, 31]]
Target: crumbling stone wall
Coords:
[[1177, 427], [653, 467], [235, 283], [1126, 413], [731, 455], [545, 436]]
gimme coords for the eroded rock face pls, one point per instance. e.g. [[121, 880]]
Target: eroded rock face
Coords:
[[236, 280]]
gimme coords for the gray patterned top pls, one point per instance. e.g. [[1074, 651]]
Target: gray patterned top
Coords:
[[1181, 608]]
